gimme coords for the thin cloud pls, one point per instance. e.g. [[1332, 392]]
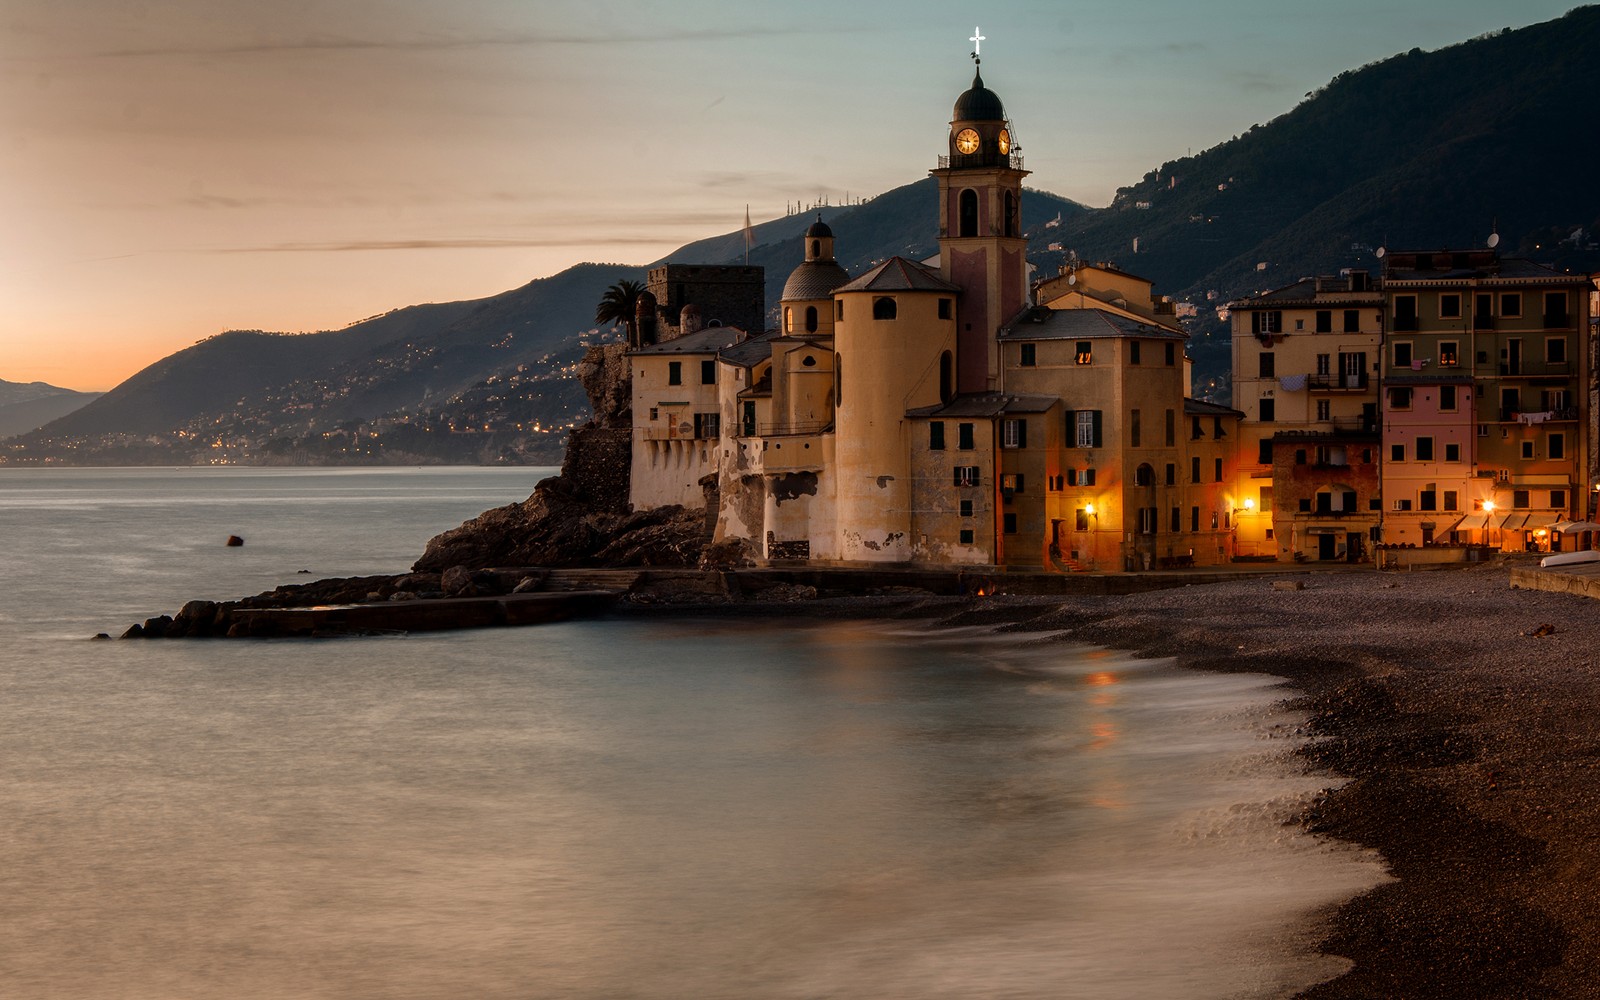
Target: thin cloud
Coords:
[[449, 244], [449, 44]]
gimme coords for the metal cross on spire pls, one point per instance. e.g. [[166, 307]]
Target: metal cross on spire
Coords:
[[977, 41]]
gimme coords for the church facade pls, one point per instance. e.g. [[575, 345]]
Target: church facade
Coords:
[[946, 412]]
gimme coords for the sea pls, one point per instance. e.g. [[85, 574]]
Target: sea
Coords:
[[664, 807]]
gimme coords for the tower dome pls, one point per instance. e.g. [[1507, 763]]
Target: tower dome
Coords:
[[979, 103], [819, 228], [819, 274]]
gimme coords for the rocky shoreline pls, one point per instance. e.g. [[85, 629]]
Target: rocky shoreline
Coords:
[[1461, 709]]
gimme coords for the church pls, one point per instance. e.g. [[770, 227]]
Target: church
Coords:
[[949, 412]]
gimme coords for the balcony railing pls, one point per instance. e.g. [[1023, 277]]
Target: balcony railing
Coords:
[[1342, 382], [1357, 424], [781, 430], [981, 159]]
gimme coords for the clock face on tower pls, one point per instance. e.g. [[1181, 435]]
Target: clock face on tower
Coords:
[[967, 141], [1005, 141]]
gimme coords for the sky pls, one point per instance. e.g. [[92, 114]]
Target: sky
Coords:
[[170, 169]]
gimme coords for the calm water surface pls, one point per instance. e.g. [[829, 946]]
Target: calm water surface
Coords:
[[602, 809]]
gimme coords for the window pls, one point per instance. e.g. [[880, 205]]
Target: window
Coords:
[[1218, 471], [654, 413], [883, 307], [1452, 453], [1427, 500], [708, 372], [1172, 428], [1555, 310], [1352, 321], [944, 308], [1405, 314], [707, 426], [1172, 474], [1194, 518], [1519, 499], [1263, 323], [1264, 453], [1324, 409], [1133, 428], [1217, 433], [1402, 353], [1450, 305], [1080, 520], [1511, 304], [1269, 411], [838, 309], [1011, 483], [1558, 499], [674, 372], [1085, 477], [1399, 397], [1029, 355], [1144, 475], [1133, 352], [1447, 398], [1324, 320], [964, 437], [1196, 432], [788, 319], [1305, 505], [1450, 501], [1424, 449], [936, 435], [1010, 522], [1268, 365], [1014, 433], [1299, 456], [966, 475], [1087, 429], [1397, 453], [1323, 361], [1194, 469], [1556, 446], [1172, 355], [1264, 499], [967, 213], [1085, 352], [1449, 357], [947, 387], [965, 508], [1527, 450], [1402, 505], [811, 319], [749, 420], [1176, 524], [966, 536], [1555, 350], [1147, 520]]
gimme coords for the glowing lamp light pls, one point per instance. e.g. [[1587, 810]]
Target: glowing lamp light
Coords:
[[1488, 506], [1089, 509], [1249, 504]]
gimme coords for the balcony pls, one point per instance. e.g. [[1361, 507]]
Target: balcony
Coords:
[[961, 161], [1536, 370], [1342, 382], [796, 453], [783, 430], [1354, 425]]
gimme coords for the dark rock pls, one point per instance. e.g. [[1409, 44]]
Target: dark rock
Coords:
[[528, 585], [234, 541], [99, 635], [156, 628], [457, 581], [134, 632]]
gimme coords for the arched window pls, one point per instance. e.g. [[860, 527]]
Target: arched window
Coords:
[[1336, 499], [883, 307], [838, 380], [811, 319], [946, 378], [1144, 475], [968, 224], [1011, 214], [788, 320], [816, 249]]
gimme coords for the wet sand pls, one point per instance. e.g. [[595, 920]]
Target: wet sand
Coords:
[[1466, 714]]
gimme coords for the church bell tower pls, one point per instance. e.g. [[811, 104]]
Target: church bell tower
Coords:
[[981, 246]]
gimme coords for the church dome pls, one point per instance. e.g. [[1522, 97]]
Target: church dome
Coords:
[[979, 104], [819, 228], [814, 279]]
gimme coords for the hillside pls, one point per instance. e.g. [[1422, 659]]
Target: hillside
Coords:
[[27, 405], [1423, 149]]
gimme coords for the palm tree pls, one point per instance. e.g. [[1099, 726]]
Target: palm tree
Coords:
[[620, 304]]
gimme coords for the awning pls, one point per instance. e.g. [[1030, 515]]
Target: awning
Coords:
[[1517, 522], [1451, 526], [1574, 527], [1473, 522]]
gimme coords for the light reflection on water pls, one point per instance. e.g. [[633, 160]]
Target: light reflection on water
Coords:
[[635, 808]]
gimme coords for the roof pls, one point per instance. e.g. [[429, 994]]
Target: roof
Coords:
[[1202, 408], [749, 353], [899, 275], [979, 103], [986, 404], [1304, 293], [1505, 270], [707, 341], [814, 279], [819, 228], [1044, 323]]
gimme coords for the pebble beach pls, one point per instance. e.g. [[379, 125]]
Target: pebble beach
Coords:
[[1463, 713]]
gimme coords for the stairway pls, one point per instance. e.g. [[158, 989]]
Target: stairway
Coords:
[[591, 579]]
